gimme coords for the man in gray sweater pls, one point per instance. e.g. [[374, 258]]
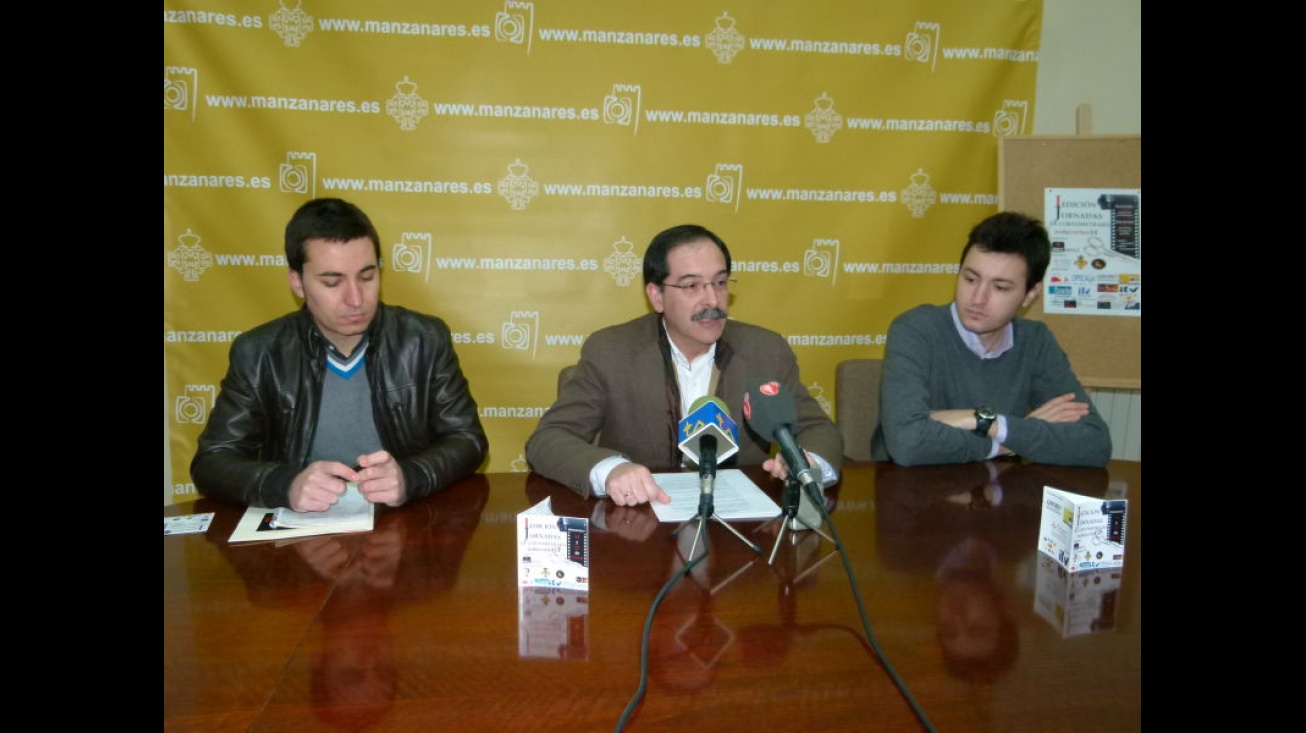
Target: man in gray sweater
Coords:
[[970, 381]]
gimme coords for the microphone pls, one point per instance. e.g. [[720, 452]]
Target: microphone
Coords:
[[706, 472], [707, 456], [708, 417], [770, 410], [707, 436]]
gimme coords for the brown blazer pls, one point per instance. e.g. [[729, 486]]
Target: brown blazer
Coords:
[[624, 391]]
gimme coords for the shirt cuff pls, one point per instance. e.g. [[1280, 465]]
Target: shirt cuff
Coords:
[[599, 474], [829, 476], [999, 441]]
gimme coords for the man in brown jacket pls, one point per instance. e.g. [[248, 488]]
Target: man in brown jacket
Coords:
[[616, 417]]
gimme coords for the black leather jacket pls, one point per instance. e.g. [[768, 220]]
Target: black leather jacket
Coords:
[[261, 427]]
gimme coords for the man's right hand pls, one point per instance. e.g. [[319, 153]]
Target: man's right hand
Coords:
[[631, 484], [319, 486]]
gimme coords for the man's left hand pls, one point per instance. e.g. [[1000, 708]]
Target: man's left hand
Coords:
[[779, 469], [380, 480]]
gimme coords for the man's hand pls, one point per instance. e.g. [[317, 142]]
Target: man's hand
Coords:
[[631, 484], [380, 480], [1061, 409], [319, 486], [779, 469]]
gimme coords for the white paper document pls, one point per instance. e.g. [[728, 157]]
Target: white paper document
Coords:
[[352, 513], [734, 496]]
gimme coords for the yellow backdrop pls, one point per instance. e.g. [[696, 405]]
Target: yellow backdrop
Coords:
[[518, 156]]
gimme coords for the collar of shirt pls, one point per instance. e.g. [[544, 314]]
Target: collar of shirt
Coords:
[[973, 343], [694, 377], [343, 364]]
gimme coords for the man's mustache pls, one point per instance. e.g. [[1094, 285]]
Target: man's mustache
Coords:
[[709, 314]]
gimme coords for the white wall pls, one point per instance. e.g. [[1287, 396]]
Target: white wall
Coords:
[[1091, 53]]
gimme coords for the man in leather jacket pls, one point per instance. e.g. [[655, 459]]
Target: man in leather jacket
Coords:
[[345, 390]]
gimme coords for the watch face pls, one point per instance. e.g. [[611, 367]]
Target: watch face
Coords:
[[986, 413]]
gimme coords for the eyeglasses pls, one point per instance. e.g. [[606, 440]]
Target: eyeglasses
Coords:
[[720, 285]]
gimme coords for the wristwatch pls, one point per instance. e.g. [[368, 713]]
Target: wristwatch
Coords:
[[984, 417]]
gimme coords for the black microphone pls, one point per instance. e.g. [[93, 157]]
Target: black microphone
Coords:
[[706, 473], [703, 430], [708, 435], [770, 410], [707, 459]]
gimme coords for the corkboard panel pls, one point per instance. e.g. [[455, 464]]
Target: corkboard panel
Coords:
[[1104, 351]]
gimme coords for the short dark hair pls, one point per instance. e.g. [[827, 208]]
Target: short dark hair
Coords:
[[334, 220], [1008, 232], [656, 269]]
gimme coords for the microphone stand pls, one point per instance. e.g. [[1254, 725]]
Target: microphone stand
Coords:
[[791, 497], [798, 565], [706, 512]]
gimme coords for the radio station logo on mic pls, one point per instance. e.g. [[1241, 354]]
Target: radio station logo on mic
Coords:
[[708, 416], [769, 389], [769, 407]]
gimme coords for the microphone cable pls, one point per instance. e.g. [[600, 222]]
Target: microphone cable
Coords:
[[701, 535], [866, 623], [903, 690]]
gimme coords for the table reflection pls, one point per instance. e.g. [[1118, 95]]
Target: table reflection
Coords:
[[553, 623], [689, 640], [417, 548], [1076, 603], [414, 627], [972, 526]]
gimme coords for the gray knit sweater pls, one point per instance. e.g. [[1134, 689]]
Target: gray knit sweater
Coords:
[[928, 367]]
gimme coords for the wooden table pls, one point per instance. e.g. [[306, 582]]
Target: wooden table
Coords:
[[417, 625]]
